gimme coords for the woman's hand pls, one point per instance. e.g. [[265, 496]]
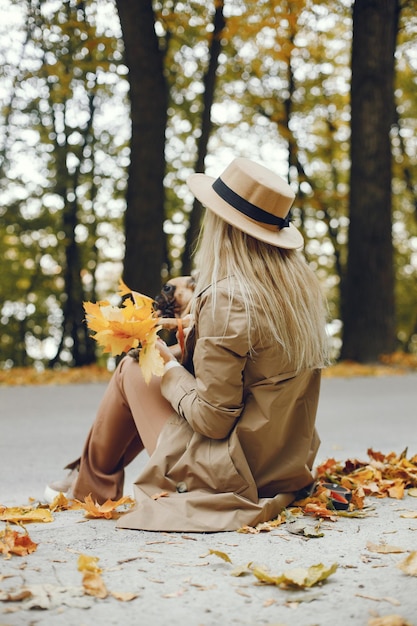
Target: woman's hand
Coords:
[[165, 352]]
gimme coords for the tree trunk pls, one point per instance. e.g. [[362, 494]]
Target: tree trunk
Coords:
[[219, 24], [144, 216], [368, 300]]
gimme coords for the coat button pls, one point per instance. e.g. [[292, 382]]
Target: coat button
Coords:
[[181, 487]]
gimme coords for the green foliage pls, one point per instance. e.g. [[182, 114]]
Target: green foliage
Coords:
[[282, 98], [65, 158]]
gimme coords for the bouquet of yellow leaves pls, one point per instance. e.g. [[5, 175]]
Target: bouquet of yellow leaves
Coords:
[[132, 325]]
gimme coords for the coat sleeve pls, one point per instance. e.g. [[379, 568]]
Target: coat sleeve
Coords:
[[212, 400]]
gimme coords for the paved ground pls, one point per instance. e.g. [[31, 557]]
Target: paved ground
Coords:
[[175, 579]]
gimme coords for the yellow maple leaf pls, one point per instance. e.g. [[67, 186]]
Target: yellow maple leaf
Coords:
[[92, 581], [25, 515], [150, 360], [139, 299], [60, 503], [88, 563], [132, 325]]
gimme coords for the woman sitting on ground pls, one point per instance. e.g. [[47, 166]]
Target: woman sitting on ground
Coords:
[[231, 430]]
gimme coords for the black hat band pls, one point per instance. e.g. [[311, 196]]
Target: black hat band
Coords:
[[247, 208]]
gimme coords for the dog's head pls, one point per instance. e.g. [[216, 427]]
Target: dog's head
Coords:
[[175, 296]]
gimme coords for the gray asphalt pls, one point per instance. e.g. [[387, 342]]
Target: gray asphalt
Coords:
[[175, 578]]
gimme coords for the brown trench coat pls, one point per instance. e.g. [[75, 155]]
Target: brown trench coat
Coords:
[[243, 437]]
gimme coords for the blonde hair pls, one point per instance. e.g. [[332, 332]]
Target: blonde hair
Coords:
[[281, 294]]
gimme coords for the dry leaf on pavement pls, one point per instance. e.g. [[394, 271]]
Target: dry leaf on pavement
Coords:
[[88, 564], [297, 578], [12, 542], [221, 555], [389, 620], [25, 514], [106, 510], [92, 581], [383, 548], [409, 564], [124, 596], [409, 515]]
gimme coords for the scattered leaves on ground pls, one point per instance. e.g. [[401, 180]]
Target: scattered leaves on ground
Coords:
[[296, 578], [381, 475]]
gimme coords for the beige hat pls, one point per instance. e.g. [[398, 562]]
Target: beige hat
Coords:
[[252, 198]]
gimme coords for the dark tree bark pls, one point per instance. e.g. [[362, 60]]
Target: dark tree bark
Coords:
[[209, 82], [144, 216], [368, 298]]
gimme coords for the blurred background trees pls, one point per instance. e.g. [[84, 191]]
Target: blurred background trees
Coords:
[[108, 106]]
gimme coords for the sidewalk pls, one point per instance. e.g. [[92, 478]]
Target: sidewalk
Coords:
[[173, 576]]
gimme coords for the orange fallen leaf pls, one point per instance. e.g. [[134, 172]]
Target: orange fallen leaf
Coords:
[[397, 490], [319, 510], [12, 542], [358, 498], [106, 510]]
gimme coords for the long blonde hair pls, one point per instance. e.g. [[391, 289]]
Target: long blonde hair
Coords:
[[281, 294]]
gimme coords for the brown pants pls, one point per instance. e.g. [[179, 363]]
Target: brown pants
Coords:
[[130, 418]]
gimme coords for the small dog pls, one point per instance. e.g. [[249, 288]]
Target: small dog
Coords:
[[174, 299]]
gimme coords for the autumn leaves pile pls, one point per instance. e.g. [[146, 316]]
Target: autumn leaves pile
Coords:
[[381, 476]]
